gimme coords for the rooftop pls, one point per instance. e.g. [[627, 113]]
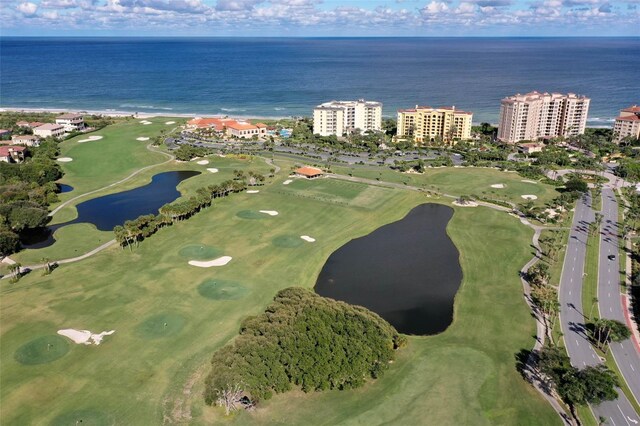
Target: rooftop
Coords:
[[240, 126], [633, 109], [629, 118], [49, 126], [309, 171], [6, 150], [69, 116]]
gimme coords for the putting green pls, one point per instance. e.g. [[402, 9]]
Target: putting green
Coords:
[[287, 241], [222, 290], [251, 214], [42, 350], [199, 252], [86, 417], [161, 325]]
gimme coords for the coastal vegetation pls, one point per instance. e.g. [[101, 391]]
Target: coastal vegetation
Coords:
[[301, 340]]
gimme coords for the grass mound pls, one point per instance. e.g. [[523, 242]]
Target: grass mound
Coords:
[[287, 241], [199, 252], [86, 417], [250, 214], [161, 325], [222, 290], [42, 350]]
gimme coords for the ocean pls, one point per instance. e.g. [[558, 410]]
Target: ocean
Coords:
[[265, 77]]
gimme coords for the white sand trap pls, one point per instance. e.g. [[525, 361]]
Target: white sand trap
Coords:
[[308, 238], [212, 170], [529, 197], [170, 122], [145, 122], [498, 185], [221, 261], [65, 159], [269, 212], [287, 182], [252, 191], [142, 138], [90, 139], [467, 204], [203, 162], [84, 337], [528, 181]]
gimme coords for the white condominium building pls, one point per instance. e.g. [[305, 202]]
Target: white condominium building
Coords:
[[340, 117], [426, 124], [627, 124], [542, 115]]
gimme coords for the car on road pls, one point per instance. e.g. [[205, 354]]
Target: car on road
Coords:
[[611, 256]]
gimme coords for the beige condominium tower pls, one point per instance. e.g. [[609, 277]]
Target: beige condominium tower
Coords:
[[627, 124], [426, 124], [343, 117], [542, 115]]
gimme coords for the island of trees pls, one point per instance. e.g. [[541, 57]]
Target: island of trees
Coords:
[[302, 340]]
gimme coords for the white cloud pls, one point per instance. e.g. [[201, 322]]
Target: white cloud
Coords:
[[435, 7], [28, 9]]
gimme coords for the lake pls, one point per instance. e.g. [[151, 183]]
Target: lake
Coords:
[[408, 272], [114, 209]]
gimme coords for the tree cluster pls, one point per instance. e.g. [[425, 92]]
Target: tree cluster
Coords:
[[301, 340], [187, 152], [577, 387], [135, 231]]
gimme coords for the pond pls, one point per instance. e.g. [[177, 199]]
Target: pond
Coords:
[[408, 272], [65, 188], [114, 209]]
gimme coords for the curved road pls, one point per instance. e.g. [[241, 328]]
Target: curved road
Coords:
[[572, 317]]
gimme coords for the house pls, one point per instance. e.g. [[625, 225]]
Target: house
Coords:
[[22, 124], [530, 148], [4, 134], [49, 130], [71, 122], [12, 154], [217, 124], [309, 172], [29, 125], [27, 140], [244, 130]]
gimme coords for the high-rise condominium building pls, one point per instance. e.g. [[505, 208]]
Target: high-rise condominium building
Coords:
[[427, 124], [340, 117], [627, 124], [539, 115]]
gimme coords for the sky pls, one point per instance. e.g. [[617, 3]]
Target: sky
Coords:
[[320, 18]]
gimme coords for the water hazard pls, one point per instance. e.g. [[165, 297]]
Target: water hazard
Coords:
[[114, 209], [408, 272]]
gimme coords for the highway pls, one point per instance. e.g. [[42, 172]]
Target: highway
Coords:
[[572, 318], [609, 297]]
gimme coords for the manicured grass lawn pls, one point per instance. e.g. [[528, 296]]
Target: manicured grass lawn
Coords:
[[170, 317], [458, 181], [590, 282]]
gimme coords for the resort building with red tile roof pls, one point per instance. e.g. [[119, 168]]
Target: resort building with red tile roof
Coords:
[[627, 124]]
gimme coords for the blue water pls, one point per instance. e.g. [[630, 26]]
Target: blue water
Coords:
[[288, 76]]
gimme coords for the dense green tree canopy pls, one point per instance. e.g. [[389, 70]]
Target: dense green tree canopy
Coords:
[[305, 340]]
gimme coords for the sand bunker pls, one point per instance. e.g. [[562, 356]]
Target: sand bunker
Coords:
[[269, 212], [528, 181], [213, 170], [202, 162], [170, 122], [221, 261], [466, 204], [308, 238], [90, 138], [142, 138], [529, 197], [65, 159], [498, 185], [252, 191], [287, 182], [84, 337], [145, 122]]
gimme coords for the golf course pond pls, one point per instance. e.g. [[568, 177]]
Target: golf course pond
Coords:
[[114, 209], [408, 272]]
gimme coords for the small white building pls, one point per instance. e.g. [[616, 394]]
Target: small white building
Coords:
[[26, 140], [71, 122], [49, 130], [530, 148]]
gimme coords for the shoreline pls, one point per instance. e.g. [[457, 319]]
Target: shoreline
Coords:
[[143, 114]]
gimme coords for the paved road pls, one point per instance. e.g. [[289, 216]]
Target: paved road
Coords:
[[609, 297], [619, 412]]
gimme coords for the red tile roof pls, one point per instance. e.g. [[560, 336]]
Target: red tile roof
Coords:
[[241, 126], [6, 150], [309, 171], [634, 109], [629, 118], [261, 125]]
